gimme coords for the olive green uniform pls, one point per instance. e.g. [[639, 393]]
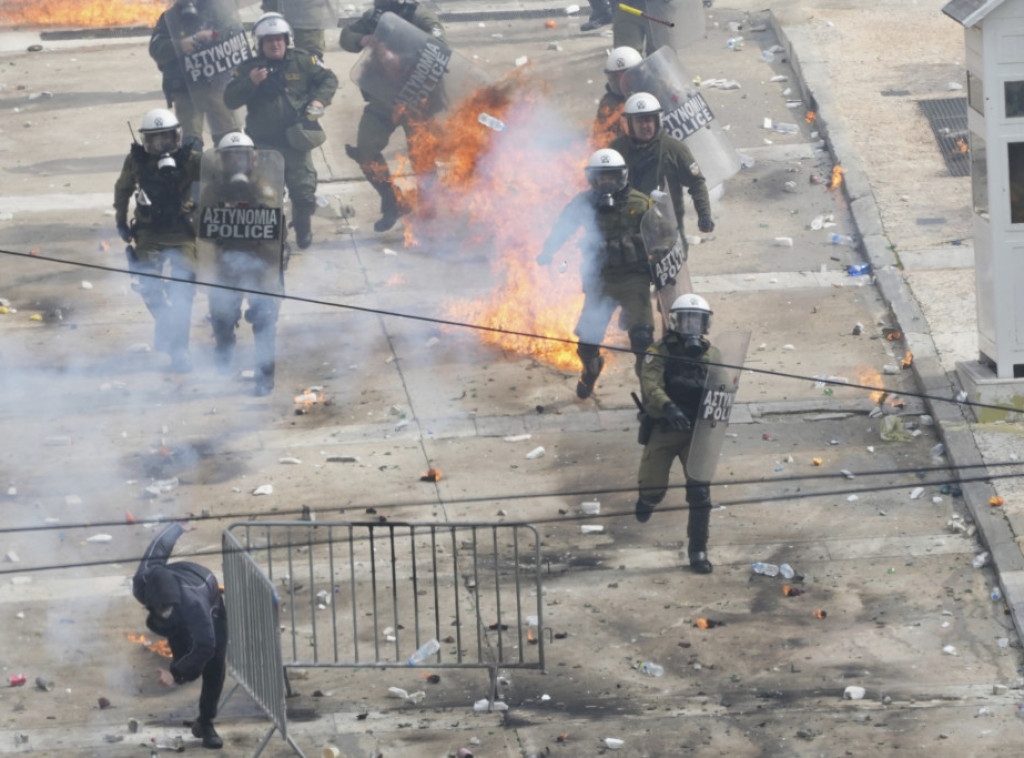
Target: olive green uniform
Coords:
[[191, 103], [165, 238], [668, 376], [379, 120], [615, 273], [277, 103], [665, 159], [305, 17]]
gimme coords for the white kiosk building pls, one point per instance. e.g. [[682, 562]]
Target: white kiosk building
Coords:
[[994, 40]]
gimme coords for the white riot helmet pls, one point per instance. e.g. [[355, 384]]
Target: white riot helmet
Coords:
[[620, 60], [607, 175], [641, 104], [270, 24], [237, 154], [161, 132], [690, 316]]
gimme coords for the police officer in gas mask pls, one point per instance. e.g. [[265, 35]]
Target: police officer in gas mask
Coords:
[[161, 174], [614, 272], [185, 606], [673, 378]]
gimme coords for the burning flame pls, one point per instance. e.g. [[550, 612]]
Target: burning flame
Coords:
[[837, 176], [308, 398], [908, 360], [871, 378], [160, 647], [432, 475], [961, 146], [811, 117], [80, 13], [508, 188]]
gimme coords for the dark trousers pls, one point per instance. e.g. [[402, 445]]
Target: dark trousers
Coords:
[[215, 670]]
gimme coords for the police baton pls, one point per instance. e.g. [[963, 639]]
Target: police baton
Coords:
[[641, 14]]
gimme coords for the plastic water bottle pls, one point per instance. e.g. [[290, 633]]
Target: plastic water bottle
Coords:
[[651, 669], [491, 122], [765, 569], [996, 594], [787, 571], [735, 43], [426, 650], [840, 239]]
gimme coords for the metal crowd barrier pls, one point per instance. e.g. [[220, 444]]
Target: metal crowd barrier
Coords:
[[370, 594], [254, 648]]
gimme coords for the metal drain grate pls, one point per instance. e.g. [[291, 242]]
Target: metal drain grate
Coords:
[[948, 120]]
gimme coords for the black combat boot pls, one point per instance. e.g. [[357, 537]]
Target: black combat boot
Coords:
[[698, 497], [592, 367], [204, 730], [391, 209], [302, 223], [600, 15], [644, 509]]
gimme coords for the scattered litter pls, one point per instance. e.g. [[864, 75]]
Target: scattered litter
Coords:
[[264, 489], [792, 591], [401, 424], [12, 557], [537, 452], [342, 459], [950, 650], [613, 743], [847, 474], [893, 430], [389, 251], [289, 461], [591, 528], [783, 241], [916, 493], [86, 285], [703, 623], [591, 507], [486, 705], [99, 538], [720, 84], [522, 60], [853, 693], [432, 475], [518, 438], [160, 486], [17, 680], [995, 500], [491, 122], [411, 697], [820, 614]]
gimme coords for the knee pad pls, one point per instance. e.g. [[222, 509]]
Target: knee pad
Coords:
[[641, 337], [698, 494]]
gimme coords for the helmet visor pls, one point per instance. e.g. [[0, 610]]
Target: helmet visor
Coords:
[[158, 143], [690, 323]]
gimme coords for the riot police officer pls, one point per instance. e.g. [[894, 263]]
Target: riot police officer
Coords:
[[380, 120], [655, 158], [673, 378], [615, 270], [183, 29], [161, 173], [240, 216], [608, 124], [285, 92]]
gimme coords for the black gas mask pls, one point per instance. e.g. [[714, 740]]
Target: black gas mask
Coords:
[[166, 164], [189, 14]]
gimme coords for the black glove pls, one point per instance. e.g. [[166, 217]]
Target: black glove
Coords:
[[705, 224], [675, 417], [124, 232]]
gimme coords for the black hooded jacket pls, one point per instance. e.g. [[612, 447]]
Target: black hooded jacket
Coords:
[[193, 592]]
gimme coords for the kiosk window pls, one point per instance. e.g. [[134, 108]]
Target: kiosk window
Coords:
[[975, 93], [1016, 158], [979, 174], [1014, 92]]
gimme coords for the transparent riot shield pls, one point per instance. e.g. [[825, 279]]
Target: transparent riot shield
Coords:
[[727, 353], [405, 67], [687, 21], [686, 115], [240, 221], [211, 43], [666, 253]]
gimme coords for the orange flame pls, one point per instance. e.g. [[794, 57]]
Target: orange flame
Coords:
[[908, 360], [160, 647], [432, 475], [961, 146], [307, 399], [811, 117], [871, 378], [508, 190], [837, 176], [707, 623], [76, 13]]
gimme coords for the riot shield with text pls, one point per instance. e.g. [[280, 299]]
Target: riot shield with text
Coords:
[[685, 113], [686, 18], [241, 215], [725, 357], [211, 43], [404, 67], [666, 253]]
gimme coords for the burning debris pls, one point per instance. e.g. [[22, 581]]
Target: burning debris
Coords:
[[432, 475], [74, 13], [309, 397], [160, 647], [837, 177]]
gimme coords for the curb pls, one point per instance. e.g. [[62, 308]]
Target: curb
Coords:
[[952, 425]]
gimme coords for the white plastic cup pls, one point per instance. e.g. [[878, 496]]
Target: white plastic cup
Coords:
[[331, 752], [591, 507]]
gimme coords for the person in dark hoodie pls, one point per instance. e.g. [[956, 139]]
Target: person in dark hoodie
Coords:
[[185, 606]]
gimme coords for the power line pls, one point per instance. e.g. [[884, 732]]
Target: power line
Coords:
[[833, 382], [562, 518], [796, 479]]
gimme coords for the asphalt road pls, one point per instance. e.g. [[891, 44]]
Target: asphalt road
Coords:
[[91, 419]]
